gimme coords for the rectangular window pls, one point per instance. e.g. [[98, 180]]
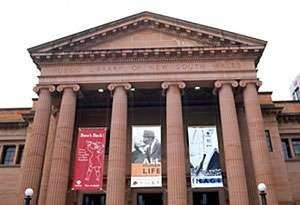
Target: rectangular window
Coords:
[[286, 149], [296, 147], [107, 141], [205, 198], [269, 142], [20, 154], [93, 199], [298, 94], [149, 199], [8, 155]]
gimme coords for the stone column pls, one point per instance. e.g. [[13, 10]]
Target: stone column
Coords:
[[235, 169], [116, 174], [59, 173], [32, 164], [48, 156], [176, 164], [258, 145], [251, 183]]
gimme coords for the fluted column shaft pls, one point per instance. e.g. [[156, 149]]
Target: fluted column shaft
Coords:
[[116, 174], [235, 170], [59, 173], [258, 146], [176, 164], [48, 158], [251, 183], [32, 164]]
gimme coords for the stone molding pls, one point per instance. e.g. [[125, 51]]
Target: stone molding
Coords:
[[37, 88], [112, 86], [244, 83], [75, 87]]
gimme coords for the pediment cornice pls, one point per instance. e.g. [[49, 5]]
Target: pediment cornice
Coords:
[[150, 54]]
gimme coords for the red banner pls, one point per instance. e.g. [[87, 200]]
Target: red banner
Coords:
[[89, 160]]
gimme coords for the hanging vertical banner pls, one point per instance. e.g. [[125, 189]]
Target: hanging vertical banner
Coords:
[[89, 159], [146, 156], [204, 157]]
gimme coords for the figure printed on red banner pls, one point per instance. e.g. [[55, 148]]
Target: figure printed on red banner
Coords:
[[95, 150]]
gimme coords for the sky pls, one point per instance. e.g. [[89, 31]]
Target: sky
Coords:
[[25, 24]]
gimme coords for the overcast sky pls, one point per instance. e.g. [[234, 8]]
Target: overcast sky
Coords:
[[29, 23]]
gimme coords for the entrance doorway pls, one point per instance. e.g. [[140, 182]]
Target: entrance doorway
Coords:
[[206, 198], [93, 199], [149, 199]]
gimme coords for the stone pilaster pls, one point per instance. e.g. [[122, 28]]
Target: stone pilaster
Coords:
[[258, 146], [235, 170], [32, 164], [279, 167], [116, 174], [176, 164], [59, 173], [48, 156]]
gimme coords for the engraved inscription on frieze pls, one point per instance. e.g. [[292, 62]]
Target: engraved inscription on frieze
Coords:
[[139, 68]]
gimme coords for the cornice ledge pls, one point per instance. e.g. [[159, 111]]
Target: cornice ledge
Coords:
[[145, 53], [74, 87]]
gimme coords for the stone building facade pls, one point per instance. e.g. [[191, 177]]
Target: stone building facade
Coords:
[[149, 69]]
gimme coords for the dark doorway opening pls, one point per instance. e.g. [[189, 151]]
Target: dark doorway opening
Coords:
[[149, 199], [205, 198], [93, 199]]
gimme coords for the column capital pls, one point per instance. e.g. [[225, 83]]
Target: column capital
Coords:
[[38, 88], [243, 83], [112, 86], [167, 84], [75, 87], [219, 83]]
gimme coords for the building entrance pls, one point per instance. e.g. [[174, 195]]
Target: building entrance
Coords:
[[93, 199], [149, 199], [206, 198]]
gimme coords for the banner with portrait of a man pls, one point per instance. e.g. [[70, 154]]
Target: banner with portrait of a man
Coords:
[[146, 156], [204, 157]]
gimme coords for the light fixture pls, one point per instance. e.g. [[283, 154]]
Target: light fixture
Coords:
[[28, 192], [197, 87], [261, 187], [28, 196], [100, 90], [132, 89]]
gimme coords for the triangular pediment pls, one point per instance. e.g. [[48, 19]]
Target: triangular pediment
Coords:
[[147, 30], [148, 38]]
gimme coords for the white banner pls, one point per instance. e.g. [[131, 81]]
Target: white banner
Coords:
[[204, 157], [146, 156]]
